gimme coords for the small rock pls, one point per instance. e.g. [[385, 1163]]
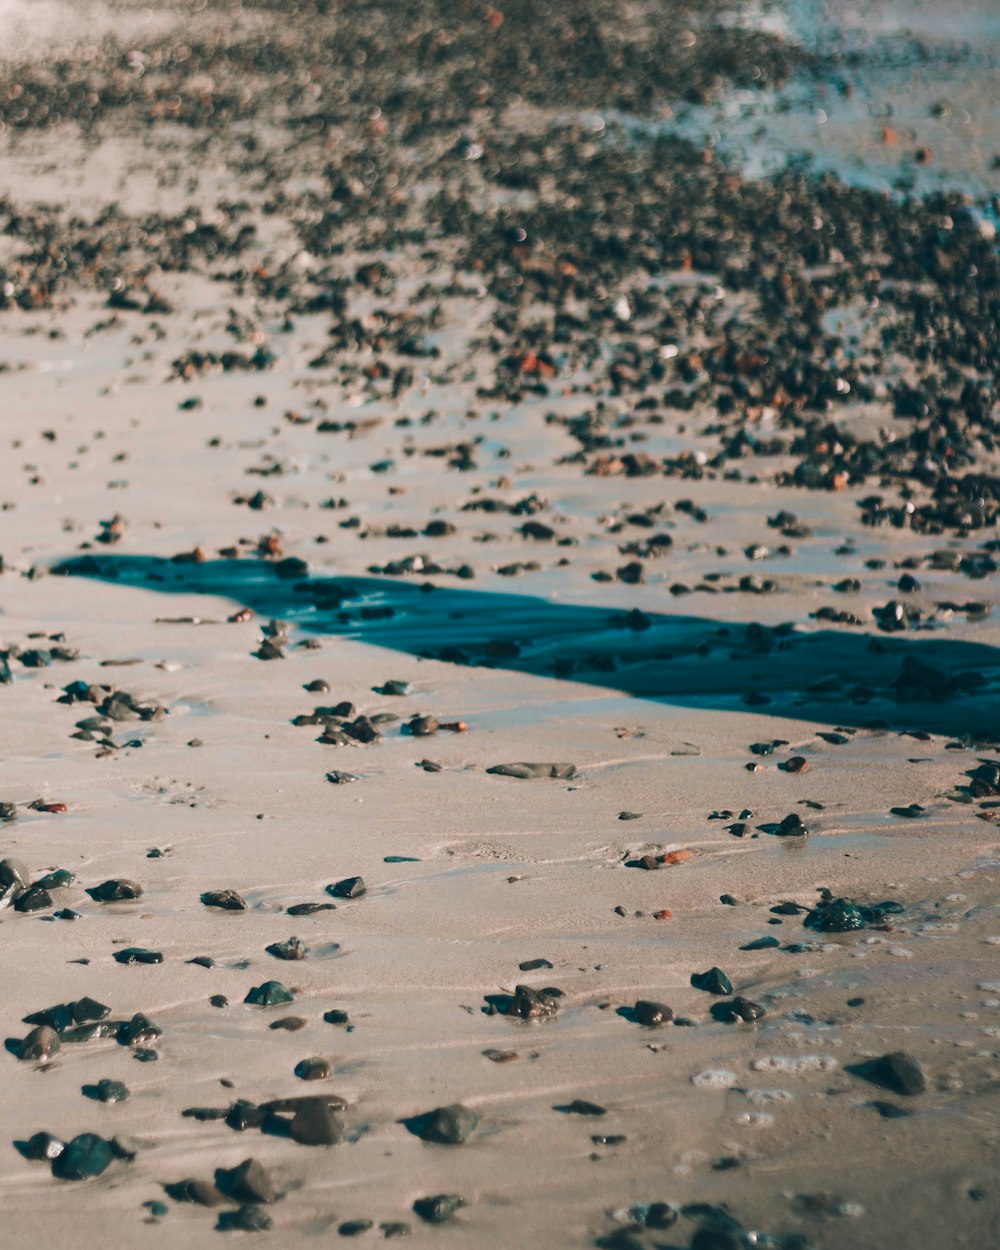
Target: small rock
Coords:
[[350, 887], [714, 981], [228, 900], [314, 1124], [449, 1126], [898, 1071], [652, 1014], [116, 890], [534, 772], [269, 994], [107, 1091], [313, 1069], [34, 899], [86, 1155], [248, 1182], [439, 1209], [293, 948]]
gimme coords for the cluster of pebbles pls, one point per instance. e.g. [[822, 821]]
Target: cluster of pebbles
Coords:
[[660, 322]]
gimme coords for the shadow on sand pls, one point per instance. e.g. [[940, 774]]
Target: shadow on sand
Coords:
[[923, 683]]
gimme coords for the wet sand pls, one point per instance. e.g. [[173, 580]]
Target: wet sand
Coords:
[[312, 332]]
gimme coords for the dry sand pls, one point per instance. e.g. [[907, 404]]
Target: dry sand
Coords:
[[224, 792]]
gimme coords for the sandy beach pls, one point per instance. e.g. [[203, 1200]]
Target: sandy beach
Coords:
[[386, 399]]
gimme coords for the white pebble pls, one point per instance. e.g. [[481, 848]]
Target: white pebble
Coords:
[[755, 1119]]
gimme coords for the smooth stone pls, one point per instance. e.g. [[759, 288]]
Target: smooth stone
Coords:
[[739, 1009], [138, 1031], [534, 772], [293, 948], [41, 1043], [336, 1017], [714, 981], [138, 955], [395, 1228], [85, 1156], [530, 965], [353, 1228], [290, 1024], [107, 1091], [248, 1182], [269, 994], [651, 1014], [532, 1004], [33, 899], [14, 872], [116, 890], [350, 887], [309, 909], [337, 777], [313, 1070], [228, 900], [439, 1209], [580, 1106], [898, 1071], [57, 880], [791, 827], [761, 944], [156, 1208], [314, 1124], [449, 1126]]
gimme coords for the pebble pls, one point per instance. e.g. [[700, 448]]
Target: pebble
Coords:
[[313, 1069], [249, 1182], [85, 1156], [33, 899], [897, 1071], [652, 1014], [107, 1091], [791, 827], [138, 955], [580, 1106], [310, 909], [534, 772], [116, 890], [228, 900], [339, 778], [293, 948], [269, 994], [439, 1209], [335, 1016], [290, 1024], [448, 1126], [350, 887], [714, 981], [354, 1228], [314, 1124]]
